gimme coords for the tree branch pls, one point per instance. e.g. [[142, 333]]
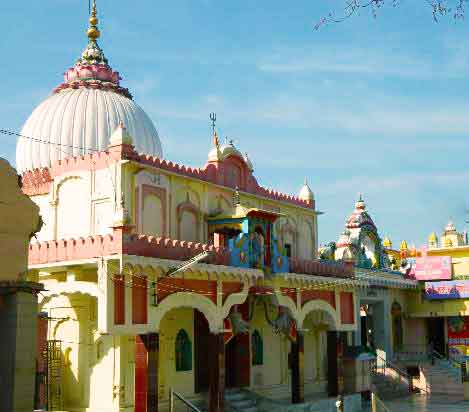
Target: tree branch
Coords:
[[439, 8]]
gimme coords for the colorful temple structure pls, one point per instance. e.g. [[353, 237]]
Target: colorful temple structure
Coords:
[[162, 278], [380, 306]]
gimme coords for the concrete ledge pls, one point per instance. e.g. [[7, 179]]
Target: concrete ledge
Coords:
[[13, 286]]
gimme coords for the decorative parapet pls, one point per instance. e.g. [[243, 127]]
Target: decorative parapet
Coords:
[[119, 243], [167, 248], [320, 268], [207, 175], [36, 182], [385, 278], [72, 249]]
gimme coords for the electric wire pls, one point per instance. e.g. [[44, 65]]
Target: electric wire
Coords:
[[89, 149]]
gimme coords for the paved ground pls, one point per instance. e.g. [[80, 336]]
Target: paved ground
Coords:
[[422, 403]]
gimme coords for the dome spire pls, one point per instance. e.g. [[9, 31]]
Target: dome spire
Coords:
[[93, 54], [93, 31]]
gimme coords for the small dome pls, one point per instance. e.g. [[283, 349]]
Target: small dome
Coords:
[[220, 153], [432, 238], [387, 243], [360, 203], [306, 193], [450, 227]]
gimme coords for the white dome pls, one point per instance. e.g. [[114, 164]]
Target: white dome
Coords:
[[306, 193], [82, 120]]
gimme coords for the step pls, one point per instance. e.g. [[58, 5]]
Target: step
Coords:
[[245, 403], [233, 397]]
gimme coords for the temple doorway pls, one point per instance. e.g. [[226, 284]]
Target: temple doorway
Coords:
[[201, 352], [237, 361], [436, 334]]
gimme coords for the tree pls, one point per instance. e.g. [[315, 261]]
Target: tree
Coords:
[[438, 8]]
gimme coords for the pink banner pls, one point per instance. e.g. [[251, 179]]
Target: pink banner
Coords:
[[433, 268]]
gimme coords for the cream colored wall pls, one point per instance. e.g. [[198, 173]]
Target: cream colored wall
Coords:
[[152, 223], [73, 208], [71, 325], [91, 198], [212, 199], [97, 370], [415, 333], [461, 267], [315, 327], [79, 204], [275, 370]]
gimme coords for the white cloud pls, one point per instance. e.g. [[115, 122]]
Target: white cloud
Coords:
[[350, 61]]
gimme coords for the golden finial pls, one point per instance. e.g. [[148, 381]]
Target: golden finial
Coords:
[[93, 31]]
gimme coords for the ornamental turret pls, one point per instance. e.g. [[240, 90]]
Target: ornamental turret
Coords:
[[451, 237], [306, 193]]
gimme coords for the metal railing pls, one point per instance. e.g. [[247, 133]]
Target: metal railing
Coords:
[[377, 405], [413, 352], [460, 365], [186, 404], [383, 367]]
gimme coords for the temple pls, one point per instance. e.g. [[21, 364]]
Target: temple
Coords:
[[162, 278], [380, 306]]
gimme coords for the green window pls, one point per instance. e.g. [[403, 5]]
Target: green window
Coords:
[[183, 352], [257, 349]]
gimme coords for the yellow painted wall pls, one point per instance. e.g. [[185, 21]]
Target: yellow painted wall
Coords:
[[274, 371], [182, 382]]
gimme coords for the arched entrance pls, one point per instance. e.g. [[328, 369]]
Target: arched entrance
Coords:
[[323, 351]]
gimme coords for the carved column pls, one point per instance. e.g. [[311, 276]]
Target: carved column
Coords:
[[217, 374], [146, 372], [297, 369]]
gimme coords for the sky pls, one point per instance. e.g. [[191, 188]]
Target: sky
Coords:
[[378, 106]]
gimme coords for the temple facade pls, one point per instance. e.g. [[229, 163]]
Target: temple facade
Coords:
[[162, 278]]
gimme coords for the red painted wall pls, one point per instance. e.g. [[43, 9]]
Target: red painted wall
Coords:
[[327, 296], [119, 300], [347, 314], [140, 375], [139, 300]]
